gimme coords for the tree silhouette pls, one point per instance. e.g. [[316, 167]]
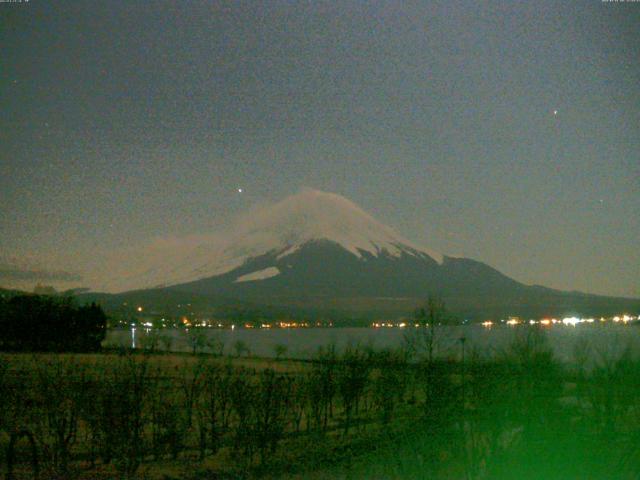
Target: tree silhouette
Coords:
[[43, 323]]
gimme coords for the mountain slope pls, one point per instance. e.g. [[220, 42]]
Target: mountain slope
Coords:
[[323, 275]]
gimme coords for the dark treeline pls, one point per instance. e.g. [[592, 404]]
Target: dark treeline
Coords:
[[175, 305], [377, 414], [48, 323]]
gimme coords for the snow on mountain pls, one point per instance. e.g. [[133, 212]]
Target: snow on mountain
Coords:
[[282, 228], [259, 275], [314, 215]]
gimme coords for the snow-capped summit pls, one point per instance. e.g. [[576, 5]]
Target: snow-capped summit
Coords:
[[315, 215]]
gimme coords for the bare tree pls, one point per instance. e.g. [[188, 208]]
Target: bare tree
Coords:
[[271, 407], [59, 384], [197, 339], [280, 350], [426, 339], [352, 378], [241, 348], [167, 342], [213, 408]]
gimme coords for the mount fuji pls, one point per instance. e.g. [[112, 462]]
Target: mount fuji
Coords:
[[319, 250]]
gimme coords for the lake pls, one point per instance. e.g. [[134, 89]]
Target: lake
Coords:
[[607, 340]]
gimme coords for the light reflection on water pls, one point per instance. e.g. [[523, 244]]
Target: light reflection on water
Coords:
[[603, 340]]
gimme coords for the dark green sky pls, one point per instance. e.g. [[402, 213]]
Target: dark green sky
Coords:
[[127, 120]]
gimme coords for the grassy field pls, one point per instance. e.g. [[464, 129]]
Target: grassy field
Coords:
[[357, 414]]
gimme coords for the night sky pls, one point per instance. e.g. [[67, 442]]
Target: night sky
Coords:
[[504, 132]]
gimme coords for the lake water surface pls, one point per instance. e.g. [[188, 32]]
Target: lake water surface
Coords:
[[608, 340]]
